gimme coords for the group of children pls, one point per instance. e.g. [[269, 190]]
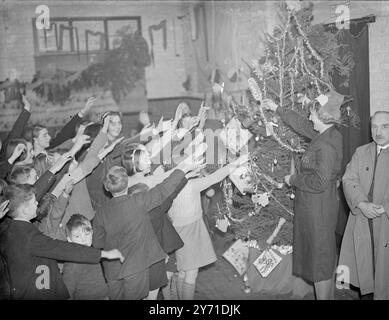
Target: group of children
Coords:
[[103, 199]]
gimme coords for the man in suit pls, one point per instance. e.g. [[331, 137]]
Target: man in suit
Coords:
[[365, 246]]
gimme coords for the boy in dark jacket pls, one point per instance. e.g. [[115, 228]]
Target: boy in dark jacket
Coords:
[[31, 256], [124, 223], [84, 281]]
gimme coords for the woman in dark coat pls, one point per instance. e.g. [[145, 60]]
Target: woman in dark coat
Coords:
[[315, 182]]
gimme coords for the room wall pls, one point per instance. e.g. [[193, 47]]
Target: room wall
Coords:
[[162, 80], [378, 44]]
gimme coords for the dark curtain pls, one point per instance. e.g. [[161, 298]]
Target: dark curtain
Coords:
[[357, 39]]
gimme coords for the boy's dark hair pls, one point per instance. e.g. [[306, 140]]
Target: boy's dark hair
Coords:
[[92, 130], [116, 179], [41, 164], [111, 113], [19, 171], [33, 132], [45, 206], [17, 194], [3, 185], [76, 220]]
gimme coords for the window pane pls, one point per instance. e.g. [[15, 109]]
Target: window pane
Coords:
[[115, 25], [49, 40], [90, 34]]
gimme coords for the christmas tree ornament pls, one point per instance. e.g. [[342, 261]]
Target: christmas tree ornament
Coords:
[[210, 193], [260, 199], [222, 224], [292, 196], [254, 89]]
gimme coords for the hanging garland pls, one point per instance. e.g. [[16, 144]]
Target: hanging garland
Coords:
[[156, 27], [119, 71]]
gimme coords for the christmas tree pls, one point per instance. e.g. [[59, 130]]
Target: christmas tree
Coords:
[[299, 63]]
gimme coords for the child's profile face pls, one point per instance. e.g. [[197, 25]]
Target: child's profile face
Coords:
[[82, 235]]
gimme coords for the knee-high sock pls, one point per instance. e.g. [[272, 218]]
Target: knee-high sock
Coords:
[[180, 284], [188, 291], [174, 287], [166, 291], [153, 295]]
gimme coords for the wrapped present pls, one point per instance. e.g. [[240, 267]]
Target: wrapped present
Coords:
[[237, 255], [280, 281], [241, 179], [266, 262]]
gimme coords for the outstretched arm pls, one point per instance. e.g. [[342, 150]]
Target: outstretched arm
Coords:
[[293, 119], [18, 127], [50, 224], [98, 230], [157, 195], [69, 130], [297, 122], [220, 174]]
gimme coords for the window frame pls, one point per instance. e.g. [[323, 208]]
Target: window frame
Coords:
[[70, 20]]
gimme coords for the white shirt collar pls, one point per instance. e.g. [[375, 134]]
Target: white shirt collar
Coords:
[[22, 219], [380, 148]]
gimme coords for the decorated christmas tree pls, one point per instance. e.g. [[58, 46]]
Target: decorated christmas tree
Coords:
[[299, 63]]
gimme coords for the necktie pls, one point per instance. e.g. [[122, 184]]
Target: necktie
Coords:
[[370, 197]]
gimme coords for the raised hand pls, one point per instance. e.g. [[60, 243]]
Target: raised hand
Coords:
[[194, 173], [178, 115], [112, 255], [20, 148], [107, 119], [26, 103], [80, 132], [191, 165], [90, 102], [144, 118], [103, 152], [202, 116], [3, 208], [159, 127], [62, 160], [79, 143]]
